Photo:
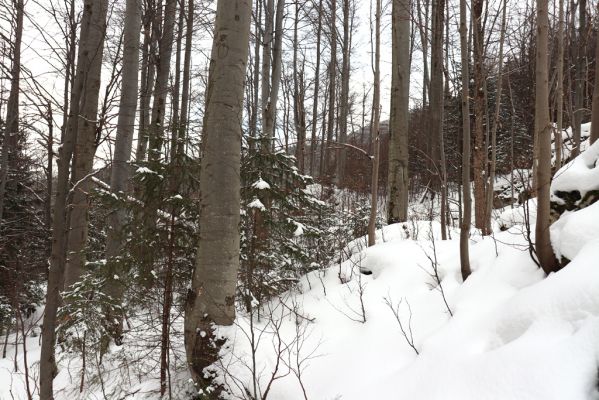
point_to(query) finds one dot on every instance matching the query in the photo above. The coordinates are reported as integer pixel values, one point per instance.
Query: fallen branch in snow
(407, 333)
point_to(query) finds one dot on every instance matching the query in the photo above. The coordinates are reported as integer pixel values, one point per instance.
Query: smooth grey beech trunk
(211, 299)
(85, 143)
(398, 180)
(119, 177)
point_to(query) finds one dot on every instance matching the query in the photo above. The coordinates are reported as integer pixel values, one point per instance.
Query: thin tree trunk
(436, 104)
(186, 78)
(212, 297)
(156, 127)
(466, 195)
(85, 143)
(152, 21)
(560, 86)
(316, 91)
(9, 144)
(398, 179)
(329, 161)
(493, 163)
(480, 150)
(344, 98)
(595, 111)
(543, 132)
(579, 87)
(376, 101)
(119, 177)
(299, 113)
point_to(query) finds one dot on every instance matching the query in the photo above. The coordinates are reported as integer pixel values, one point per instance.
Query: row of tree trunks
(80, 123)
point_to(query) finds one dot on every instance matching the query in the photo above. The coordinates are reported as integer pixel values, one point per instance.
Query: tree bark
(492, 165)
(579, 87)
(316, 92)
(156, 127)
(560, 86)
(465, 97)
(436, 104)
(85, 142)
(212, 297)
(269, 110)
(48, 369)
(398, 179)
(186, 78)
(119, 177)
(479, 154)
(595, 111)
(344, 96)
(329, 161)
(9, 143)
(376, 105)
(543, 133)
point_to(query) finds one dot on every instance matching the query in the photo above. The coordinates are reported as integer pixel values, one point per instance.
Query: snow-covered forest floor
(393, 321)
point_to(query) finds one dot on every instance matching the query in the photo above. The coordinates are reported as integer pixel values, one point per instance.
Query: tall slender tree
(9, 143)
(437, 105)
(465, 97)
(544, 250)
(119, 174)
(398, 179)
(375, 131)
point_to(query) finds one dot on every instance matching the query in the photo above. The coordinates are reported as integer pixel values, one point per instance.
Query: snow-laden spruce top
(260, 184)
(579, 174)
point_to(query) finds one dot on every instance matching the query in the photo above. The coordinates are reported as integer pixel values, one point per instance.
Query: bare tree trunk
(479, 154)
(436, 103)
(398, 179)
(376, 105)
(119, 177)
(560, 86)
(595, 111)
(85, 143)
(176, 88)
(48, 368)
(579, 87)
(543, 132)
(186, 77)
(156, 127)
(152, 20)
(9, 144)
(329, 161)
(492, 166)
(466, 196)
(316, 92)
(344, 98)
(269, 110)
(212, 297)
(299, 112)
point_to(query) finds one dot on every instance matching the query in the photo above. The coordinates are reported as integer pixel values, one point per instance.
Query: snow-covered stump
(574, 206)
